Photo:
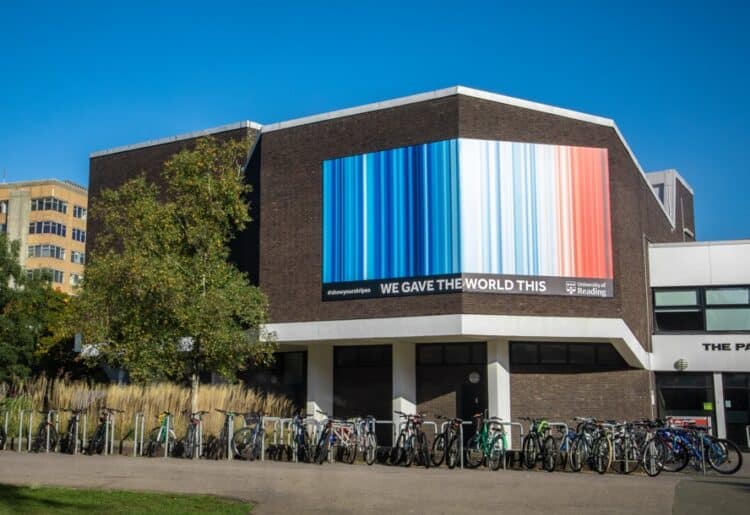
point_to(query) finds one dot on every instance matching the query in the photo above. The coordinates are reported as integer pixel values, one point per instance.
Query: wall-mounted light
(681, 365)
(474, 377)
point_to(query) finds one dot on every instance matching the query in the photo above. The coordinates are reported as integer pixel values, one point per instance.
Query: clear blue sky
(80, 77)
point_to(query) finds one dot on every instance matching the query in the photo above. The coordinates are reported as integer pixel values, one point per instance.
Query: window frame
(702, 305)
(541, 367)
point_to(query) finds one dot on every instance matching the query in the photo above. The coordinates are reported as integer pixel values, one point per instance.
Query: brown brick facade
(620, 394)
(289, 166)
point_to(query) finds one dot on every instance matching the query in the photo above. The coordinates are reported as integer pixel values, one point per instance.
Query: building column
(721, 419)
(320, 379)
(498, 381)
(404, 381)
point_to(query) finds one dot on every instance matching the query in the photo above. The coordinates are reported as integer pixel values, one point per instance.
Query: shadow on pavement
(711, 496)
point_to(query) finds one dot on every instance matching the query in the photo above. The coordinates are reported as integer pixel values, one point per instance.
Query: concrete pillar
(498, 381)
(721, 419)
(404, 380)
(17, 219)
(320, 379)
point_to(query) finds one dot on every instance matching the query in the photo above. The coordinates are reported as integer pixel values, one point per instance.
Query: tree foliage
(160, 297)
(29, 308)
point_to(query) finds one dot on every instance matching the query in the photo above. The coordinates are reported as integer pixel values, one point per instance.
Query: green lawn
(18, 500)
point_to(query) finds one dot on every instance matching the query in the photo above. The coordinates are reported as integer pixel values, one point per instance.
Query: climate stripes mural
(467, 207)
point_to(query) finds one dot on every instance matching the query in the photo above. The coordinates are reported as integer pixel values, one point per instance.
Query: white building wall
(699, 264)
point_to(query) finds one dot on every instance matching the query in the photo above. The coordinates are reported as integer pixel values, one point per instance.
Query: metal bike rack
(276, 421)
(85, 423)
(139, 426)
(230, 434)
(166, 438)
(5, 427)
(31, 430)
(21, 416)
(747, 430)
(199, 449)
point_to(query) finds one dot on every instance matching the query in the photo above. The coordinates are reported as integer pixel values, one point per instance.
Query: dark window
(49, 204)
(607, 355)
(79, 212)
(346, 356)
(478, 353)
(457, 354)
(715, 309)
(79, 235)
(431, 354)
(582, 354)
(564, 357)
(524, 353)
(553, 353)
(685, 394)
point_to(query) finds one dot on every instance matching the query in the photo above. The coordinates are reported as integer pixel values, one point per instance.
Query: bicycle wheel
(549, 454)
(96, 444)
(675, 455)
(651, 457)
(410, 451)
(579, 453)
(563, 454)
(321, 450)
(530, 450)
(723, 455)
(439, 446)
(474, 453)
(188, 444)
(497, 453)
(371, 447)
(423, 453)
(398, 452)
(602, 455)
(350, 452)
(243, 443)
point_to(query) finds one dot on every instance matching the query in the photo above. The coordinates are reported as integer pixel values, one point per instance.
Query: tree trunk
(194, 385)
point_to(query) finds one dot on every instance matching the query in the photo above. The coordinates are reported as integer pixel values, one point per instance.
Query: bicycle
(583, 441)
(247, 442)
(538, 445)
(186, 446)
(161, 435)
(411, 445)
(99, 439)
(487, 444)
(365, 440)
(339, 433)
(301, 446)
(445, 447)
(46, 434)
(691, 444)
(70, 442)
(602, 448)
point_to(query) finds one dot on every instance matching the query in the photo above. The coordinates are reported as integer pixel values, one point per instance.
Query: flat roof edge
(42, 182)
(431, 95)
(179, 137)
(714, 243)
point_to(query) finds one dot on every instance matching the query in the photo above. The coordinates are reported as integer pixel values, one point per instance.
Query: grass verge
(18, 500)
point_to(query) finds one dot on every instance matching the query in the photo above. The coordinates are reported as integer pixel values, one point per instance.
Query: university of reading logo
(570, 287)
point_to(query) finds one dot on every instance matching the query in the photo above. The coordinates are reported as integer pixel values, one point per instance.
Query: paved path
(335, 488)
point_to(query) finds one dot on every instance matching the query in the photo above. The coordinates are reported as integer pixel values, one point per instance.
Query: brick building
(459, 250)
(48, 217)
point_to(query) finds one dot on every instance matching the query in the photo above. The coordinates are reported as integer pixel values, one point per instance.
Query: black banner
(469, 283)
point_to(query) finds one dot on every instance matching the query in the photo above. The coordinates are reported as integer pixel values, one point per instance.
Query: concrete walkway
(336, 488)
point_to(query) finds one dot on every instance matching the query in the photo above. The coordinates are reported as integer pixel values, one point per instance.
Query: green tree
(25, 304)
(160, 297)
